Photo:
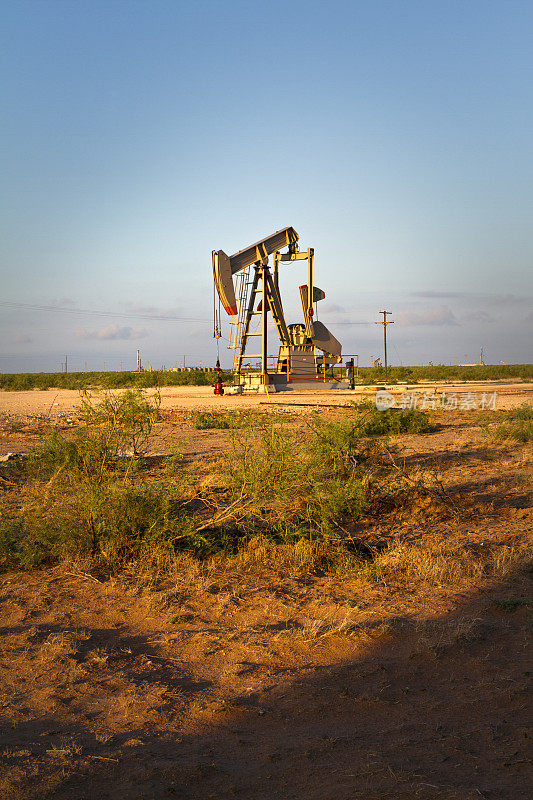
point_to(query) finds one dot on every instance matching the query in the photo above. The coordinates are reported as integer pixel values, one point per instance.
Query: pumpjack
(306, 350)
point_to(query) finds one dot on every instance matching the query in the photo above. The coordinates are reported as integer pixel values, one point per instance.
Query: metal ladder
(237, 324)
(246, 297)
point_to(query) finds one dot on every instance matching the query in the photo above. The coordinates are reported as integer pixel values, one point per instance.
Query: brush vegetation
(288, 498)
(391, 421)
(517, 424)
(209, 420)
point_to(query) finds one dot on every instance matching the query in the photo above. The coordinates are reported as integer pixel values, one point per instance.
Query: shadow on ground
(434, 709)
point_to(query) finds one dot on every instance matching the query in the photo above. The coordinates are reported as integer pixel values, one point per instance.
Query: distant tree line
(196, 377)
(106, 380)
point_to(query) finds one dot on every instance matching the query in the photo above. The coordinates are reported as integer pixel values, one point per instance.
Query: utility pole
(385, 323)
(66, 364)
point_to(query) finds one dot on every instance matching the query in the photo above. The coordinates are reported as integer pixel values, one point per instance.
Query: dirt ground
(273, 687)
(59, 402)
(24, 415)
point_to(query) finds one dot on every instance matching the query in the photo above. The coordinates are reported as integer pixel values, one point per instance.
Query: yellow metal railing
(337, 372)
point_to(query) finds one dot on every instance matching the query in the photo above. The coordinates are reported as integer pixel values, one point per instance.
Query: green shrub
(206, 420)
(27, 544)
(394, 421)
(112, 429)
(86, 472)
(291, 486)
(122, 523)
(517, 424)
(510, 604)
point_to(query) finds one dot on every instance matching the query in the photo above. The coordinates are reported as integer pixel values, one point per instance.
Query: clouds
(479, 298)
(140, 308)
(441, 315)
(440, 294)
(63, 302)
(509, 300)
(479, 316)
(145, 310)
(112, 332)
(332, 308)
(472, 309)
(22, 338)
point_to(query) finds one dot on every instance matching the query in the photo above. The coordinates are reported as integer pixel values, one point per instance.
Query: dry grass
(435, 565)
(303, 557)
(438, 636)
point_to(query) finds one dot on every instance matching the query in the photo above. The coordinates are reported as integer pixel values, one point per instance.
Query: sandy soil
(274, 687)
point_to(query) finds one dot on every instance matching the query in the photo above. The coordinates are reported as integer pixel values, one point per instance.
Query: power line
(83, 355)
(125, 315)
(160, 317)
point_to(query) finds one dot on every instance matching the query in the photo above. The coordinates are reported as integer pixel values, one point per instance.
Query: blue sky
(396, 137)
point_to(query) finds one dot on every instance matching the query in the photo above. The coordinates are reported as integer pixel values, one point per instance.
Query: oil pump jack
(297, 359)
